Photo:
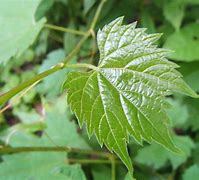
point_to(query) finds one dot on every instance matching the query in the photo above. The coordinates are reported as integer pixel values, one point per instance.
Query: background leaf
(156, 156)
(191, 173)
(48, 165)
(17, 37)
(51, 86)
(185, 43)
(174, 12)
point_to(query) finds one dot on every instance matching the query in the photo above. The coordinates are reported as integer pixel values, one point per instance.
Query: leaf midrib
(115, 139)
(136, 108)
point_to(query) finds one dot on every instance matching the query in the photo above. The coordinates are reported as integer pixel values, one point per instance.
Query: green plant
(124, 95)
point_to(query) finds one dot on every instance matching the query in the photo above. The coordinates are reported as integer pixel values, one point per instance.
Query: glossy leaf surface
(125, 94)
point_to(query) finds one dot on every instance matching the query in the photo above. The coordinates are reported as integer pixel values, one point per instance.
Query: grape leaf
(43, 8)
(190, 73)
(192, 2)
(129, 177)
(41, 165)
(88, 4)
(154, 155)
(18, 28)
(147, 21)
(191, 173)
(101, 172)
(185, 43)
(48, 165)
(124, 95)
(178, 113)
(51, 86)
(193, 118)
(195, 153)
(174, 12)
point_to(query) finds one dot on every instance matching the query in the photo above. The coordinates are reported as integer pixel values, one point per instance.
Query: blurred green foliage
(40, 118)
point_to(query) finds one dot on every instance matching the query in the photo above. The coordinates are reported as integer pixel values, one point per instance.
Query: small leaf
(174, 12)
(43, 7)
(155, 156)
(178, 113)
(192, 2)
(18, 28)
(193, 118)
(191, 173)
(185, 43)
(125, 94)
(101, 172)
(190, 73)
(73, 172)
(88, 5)
(147, 21)
(129, 176)
(51, 85)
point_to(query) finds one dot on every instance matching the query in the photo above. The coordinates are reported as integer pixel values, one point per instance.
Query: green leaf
(147, 21)
(155, 156)
(51, 85)
(152, 155)
(185, 43)
(186, 144)
(43, 7)
(174, 12)
(70, 40)
(191, 173)
(193, 118)
(88, 4)
(73, 172)
(190, 73)
(124, 95)
(48, 165)
(41, 166)
(42, 43)
(178, 113)
(129, 176)
(192, 2)
(18, 28)
(101, 172)
(195, 153)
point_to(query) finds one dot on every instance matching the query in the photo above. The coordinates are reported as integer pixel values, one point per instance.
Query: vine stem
(99, 9)
(7, 150)
(88, 33)
(77, 48)
(90, 161)
(59, 28)
(8, 95)
(113, 164)
(9, 105)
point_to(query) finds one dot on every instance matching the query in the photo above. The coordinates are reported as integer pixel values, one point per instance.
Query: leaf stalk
(63, 29)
